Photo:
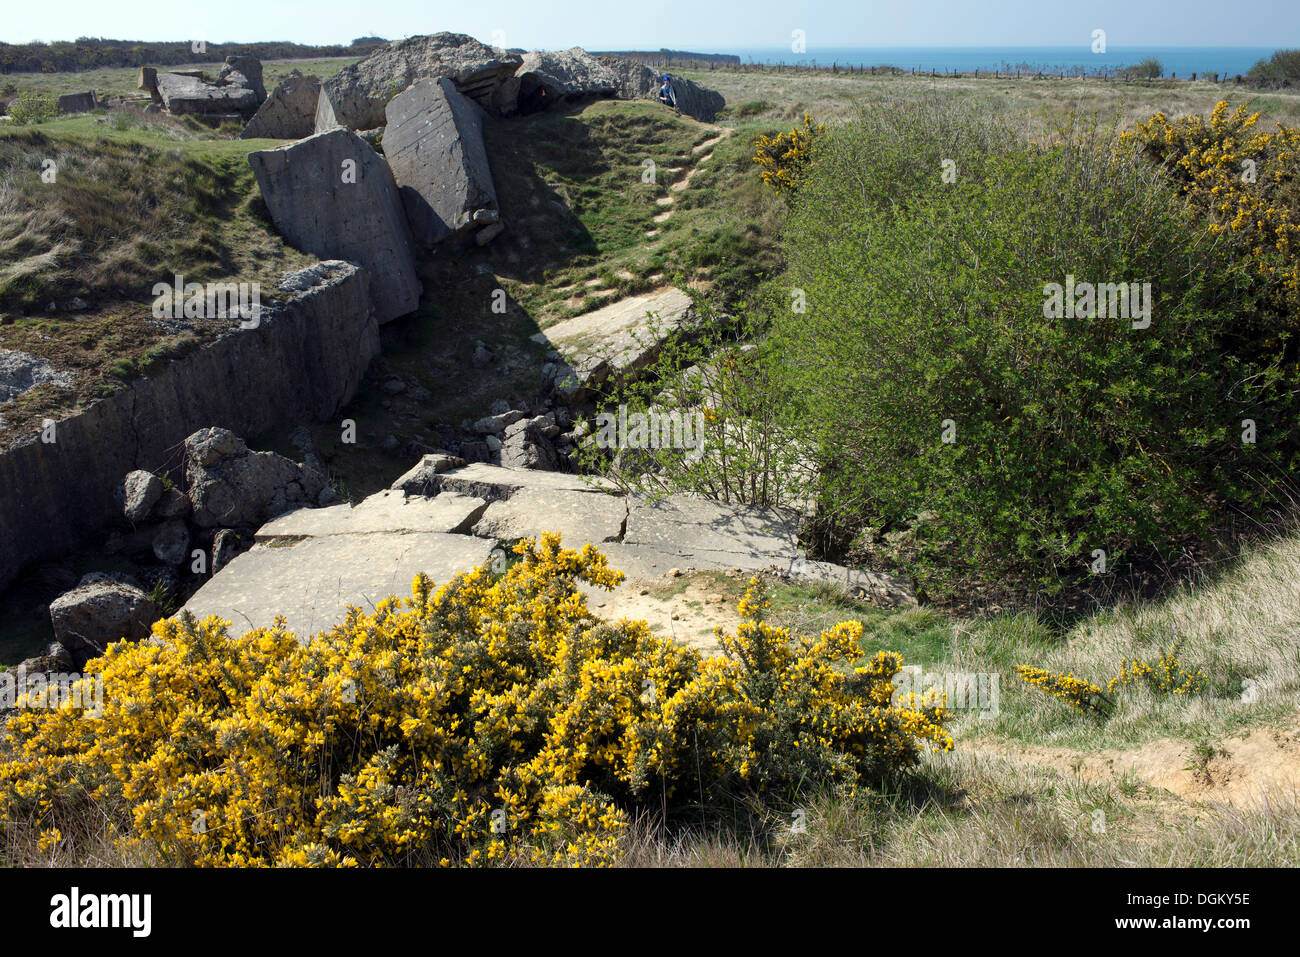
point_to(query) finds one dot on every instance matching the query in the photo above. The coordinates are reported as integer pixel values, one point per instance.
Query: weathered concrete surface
(420, 479)
(548, 78)
(77, 102)
(388, 511)
(492, 483)
(579, 517)
(689, 524)
(302, 363)
(289, 113)
(243, 71)
(358, 93)
(311, 582)
(189, 94)
(434, 146)
(618, 339)
(333, 196)
(325, 118)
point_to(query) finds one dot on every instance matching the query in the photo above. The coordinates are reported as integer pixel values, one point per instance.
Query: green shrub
(1281, 69)
(925, 320)
(32, 107)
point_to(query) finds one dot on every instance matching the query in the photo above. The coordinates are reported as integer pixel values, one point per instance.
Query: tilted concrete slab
(386, 511)
(618, 339)
(311, 582)
(493, 483)
(579, 517)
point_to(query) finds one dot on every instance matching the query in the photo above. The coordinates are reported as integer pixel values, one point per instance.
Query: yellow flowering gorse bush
(1246, 179)
(784, 159)
(493, 718)
(1166, 675)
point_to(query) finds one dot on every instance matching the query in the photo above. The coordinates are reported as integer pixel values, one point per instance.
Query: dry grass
(1043, 104)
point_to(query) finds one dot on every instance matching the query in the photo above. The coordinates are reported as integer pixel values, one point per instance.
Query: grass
(135, 201)
(1043, 104)
(121, 81)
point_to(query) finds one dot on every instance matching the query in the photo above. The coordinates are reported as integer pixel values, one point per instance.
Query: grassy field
(1043, 104)
(121, 81)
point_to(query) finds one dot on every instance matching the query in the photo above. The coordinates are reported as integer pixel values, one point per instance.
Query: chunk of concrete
(619, 339)
(311, 582)
(492, 483)
(289, 113)
(434, 146)
(579, 517)
(77, 102)
(387, 511)
(333, 196)
(182, 94)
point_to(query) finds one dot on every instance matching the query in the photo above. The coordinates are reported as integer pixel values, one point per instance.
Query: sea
(1079, 59)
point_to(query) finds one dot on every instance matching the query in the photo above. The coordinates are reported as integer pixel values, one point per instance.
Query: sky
(700, 25)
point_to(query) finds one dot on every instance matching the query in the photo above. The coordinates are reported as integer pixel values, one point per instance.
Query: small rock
(493, 443)
(226, 545)
(89, 618)
(675, 572)
(139, 492)
(394, 386)
(171, 544)
(172, 504)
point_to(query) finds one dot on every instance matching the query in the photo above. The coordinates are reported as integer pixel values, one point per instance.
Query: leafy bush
(1281, 69)
(493, 718)
(1148, 69)
(32, 107)
(932, 379)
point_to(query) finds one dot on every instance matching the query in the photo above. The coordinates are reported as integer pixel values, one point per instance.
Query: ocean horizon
(1180, 61)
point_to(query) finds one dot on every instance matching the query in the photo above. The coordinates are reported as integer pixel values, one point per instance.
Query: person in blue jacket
(666, 94)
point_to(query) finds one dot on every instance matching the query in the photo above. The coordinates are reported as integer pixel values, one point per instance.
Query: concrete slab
(684, 526)
(387, 511)
(493, 483)
(621, 338)
(311, 582)
(579, 517)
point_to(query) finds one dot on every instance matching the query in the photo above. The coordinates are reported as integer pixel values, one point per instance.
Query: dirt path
(1232, 770)
(702, 152)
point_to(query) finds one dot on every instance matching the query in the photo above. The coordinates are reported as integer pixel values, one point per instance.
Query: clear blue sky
(681, 24)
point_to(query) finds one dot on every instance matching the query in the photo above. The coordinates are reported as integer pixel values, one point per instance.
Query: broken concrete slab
(698, 525)
(289, 113)
(548, 78)
(494, 483)
(359, 92)
(434, 146)
(311, 582)
(579, 517)
(388, 511)
(333, 196)
(77, 102)
(619, 339)
(183, 94)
